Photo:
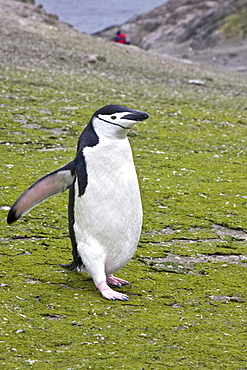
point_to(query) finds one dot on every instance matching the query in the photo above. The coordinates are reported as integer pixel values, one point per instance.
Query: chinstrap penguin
(105, 211)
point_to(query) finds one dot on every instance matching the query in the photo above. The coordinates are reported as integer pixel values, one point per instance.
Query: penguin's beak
(136, 116)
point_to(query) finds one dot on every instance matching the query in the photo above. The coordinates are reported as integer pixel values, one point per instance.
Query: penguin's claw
(113, 280)
(110, 294)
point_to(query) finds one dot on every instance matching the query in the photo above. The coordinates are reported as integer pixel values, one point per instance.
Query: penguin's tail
(54, 183)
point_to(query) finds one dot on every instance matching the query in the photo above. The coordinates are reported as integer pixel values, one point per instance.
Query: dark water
(95, 15)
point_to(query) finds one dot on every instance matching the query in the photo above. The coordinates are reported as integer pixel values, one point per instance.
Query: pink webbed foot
(110, 294)
(113, 280)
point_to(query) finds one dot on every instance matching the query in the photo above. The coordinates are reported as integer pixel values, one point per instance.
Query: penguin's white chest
(108, 217)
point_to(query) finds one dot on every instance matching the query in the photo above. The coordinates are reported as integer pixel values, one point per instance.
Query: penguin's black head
(116, 119)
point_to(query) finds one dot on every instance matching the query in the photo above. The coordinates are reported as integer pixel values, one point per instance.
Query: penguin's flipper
(54, 183)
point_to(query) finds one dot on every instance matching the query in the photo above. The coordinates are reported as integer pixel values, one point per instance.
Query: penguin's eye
(113, 117)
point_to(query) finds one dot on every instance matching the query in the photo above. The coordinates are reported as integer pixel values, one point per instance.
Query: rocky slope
(204, 31)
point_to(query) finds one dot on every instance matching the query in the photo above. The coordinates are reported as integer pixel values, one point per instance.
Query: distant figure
(121, 38)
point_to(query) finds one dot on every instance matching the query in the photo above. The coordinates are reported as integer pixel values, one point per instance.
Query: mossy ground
(191, 161)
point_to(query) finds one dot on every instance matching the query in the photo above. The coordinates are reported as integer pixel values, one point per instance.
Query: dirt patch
(235, 233)
(186, 264)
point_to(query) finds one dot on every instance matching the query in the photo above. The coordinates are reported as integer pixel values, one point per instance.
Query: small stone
(19, 331)
(92, 59)
(196, 82)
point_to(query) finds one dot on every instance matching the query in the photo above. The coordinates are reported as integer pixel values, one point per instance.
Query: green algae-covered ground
(188, 293)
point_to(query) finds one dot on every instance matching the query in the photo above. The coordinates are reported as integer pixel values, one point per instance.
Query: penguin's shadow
(81, 282)
(77, 280)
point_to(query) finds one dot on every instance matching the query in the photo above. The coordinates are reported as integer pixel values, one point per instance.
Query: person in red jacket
(121, 38)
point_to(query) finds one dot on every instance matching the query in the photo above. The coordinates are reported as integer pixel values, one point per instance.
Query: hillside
(210, 32)
(188, 292)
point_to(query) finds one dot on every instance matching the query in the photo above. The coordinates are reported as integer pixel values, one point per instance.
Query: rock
(196, 82)
(95, 58)
(92, 59)
(165, 23)
(192, 29)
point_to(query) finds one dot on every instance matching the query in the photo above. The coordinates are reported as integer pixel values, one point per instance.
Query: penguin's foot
(110, 294)
(113, 280)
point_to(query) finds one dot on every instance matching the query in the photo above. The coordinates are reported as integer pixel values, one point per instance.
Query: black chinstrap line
(115, 124)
